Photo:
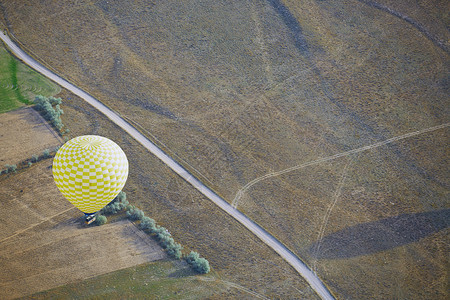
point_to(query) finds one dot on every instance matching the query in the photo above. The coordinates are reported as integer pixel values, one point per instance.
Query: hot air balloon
(90, 171)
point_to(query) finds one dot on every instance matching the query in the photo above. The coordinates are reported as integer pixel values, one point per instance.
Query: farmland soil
(24, 133)
(44, 242)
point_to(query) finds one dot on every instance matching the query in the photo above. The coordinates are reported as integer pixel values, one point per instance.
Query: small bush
(192, 257)
(46, 153)
(100, 220)
(30, 164)
(34, 158)
(200, 264)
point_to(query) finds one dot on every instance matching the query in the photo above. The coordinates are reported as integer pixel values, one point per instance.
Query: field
(161, 280)
(44, 242)
(19, 84)
(25, 133)
(264, 101)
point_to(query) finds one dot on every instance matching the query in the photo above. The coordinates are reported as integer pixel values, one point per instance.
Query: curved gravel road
(266, 237)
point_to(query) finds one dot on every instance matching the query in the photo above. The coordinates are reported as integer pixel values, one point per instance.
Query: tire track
(240, 287)
(241, 192)
(336, 196)
(259, 40)
(234, 285)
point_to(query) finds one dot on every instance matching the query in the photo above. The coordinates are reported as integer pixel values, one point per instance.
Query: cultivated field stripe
(241, 192)
(262, 234)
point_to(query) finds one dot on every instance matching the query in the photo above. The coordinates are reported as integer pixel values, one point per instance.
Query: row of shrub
(162, 235)
(149, 226)
(10, 169)
(47, 153)
(50, 110)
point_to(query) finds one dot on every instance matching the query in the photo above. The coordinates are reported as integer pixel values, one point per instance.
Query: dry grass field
(242, 90)
(24, 133)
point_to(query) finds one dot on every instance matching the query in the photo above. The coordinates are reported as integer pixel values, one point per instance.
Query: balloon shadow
(384, 234)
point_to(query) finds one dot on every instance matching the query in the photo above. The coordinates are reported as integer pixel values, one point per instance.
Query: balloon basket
(89, 219)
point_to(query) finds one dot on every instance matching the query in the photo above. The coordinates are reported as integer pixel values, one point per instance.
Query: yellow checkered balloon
(90, 171)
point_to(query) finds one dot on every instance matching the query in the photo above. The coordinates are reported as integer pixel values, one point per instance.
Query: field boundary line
(241, 192)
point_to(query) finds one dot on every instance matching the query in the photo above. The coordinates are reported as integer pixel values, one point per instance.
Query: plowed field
(44, 242)
(23, 133)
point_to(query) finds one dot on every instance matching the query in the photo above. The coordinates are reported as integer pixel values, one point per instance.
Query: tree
(175, 250)
(45, 106)
(54, 100)
(119, 203)
(161, 232)
(121, 197)
(46, 153)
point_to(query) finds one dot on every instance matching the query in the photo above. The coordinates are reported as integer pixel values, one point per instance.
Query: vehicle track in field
(327, 215)
(245, 188)
(312, 279)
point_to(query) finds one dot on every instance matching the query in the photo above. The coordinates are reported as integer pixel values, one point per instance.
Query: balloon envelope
(90, 171)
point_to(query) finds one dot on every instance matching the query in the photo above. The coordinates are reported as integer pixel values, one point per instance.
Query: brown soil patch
(24, 132)
(44, 242)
